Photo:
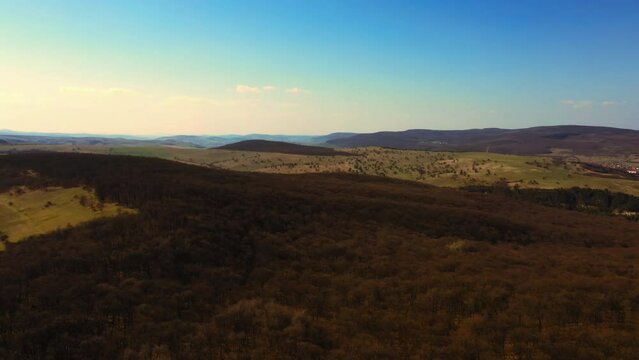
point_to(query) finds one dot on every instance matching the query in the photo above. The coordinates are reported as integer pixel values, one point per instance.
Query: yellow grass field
(25, 212)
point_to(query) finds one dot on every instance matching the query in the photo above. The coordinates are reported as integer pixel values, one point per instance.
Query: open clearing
(25, 212)
(449, 169)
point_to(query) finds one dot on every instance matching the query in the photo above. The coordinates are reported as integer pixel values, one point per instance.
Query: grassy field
(25, 212)
(450, 169)
(436, 168)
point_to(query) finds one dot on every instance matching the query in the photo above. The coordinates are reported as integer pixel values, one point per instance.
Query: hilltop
(223, 264)
(281, 147)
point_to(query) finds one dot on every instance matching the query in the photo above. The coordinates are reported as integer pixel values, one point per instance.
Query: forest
(596, 201)
(216, 264)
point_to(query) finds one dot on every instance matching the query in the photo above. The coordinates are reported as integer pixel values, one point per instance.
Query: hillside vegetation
(228, 265)
(580, 199)
(448, 169)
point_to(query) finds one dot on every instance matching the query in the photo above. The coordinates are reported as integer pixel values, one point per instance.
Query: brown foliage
(224, 265)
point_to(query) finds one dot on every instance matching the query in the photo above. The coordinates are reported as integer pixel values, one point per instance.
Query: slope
(219, 264)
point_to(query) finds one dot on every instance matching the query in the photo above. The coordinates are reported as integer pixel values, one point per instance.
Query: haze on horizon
(311, 67)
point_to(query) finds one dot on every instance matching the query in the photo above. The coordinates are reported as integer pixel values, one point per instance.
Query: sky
(315, 66)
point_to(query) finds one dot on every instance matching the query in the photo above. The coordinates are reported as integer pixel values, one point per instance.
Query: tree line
(598, 201)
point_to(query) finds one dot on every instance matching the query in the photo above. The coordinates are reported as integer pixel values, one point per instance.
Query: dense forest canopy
(224, 265)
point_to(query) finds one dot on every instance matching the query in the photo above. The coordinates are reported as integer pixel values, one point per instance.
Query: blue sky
(311, 67)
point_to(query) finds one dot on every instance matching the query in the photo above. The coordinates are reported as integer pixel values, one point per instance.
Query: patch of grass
(25, 212)
(462, 246)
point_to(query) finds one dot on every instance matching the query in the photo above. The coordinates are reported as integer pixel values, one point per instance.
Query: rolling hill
(281, 147)
(216, 141)
(582, 140)
(222, 264)
(449, 169)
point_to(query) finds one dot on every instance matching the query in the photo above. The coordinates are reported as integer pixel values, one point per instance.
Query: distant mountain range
(587, 140)
(14, 139)
(535, 140)
(201, 141)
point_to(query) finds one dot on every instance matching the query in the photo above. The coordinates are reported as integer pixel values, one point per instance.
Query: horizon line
(11, 132)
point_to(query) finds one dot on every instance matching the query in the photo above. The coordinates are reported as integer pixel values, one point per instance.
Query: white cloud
(577, 104)
(296, 91)
(609, 103)
(245, 89)
(587, 104)
(97, 91)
